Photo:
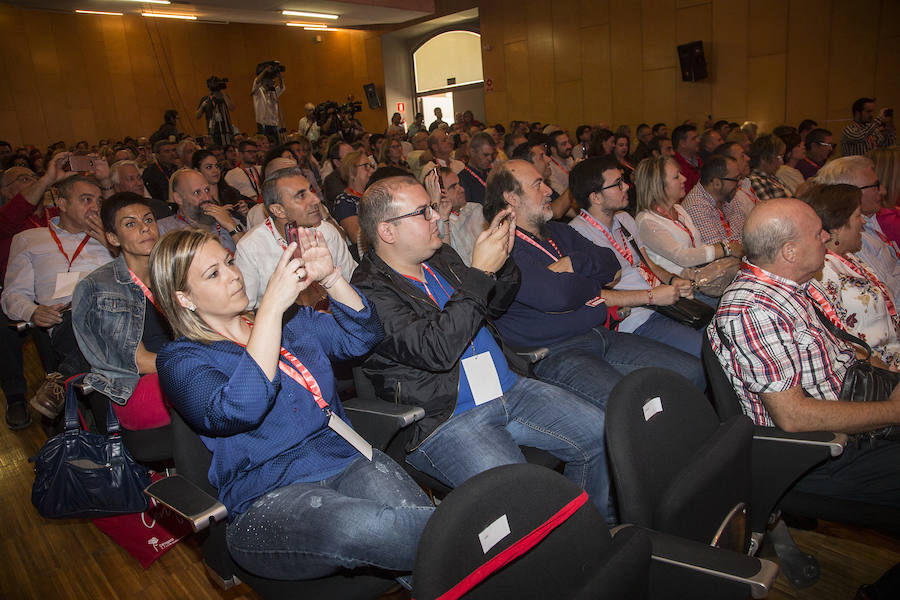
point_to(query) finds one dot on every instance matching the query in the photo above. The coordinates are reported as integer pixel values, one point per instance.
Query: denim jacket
(108, 319)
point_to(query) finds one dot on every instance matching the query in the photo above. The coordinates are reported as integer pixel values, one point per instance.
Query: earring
(837, 243)
(192, 308)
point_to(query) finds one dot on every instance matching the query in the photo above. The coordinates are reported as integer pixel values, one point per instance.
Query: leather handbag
(863, 381)
(82, 474)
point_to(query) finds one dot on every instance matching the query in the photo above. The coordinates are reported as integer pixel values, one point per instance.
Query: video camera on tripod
(216, 84)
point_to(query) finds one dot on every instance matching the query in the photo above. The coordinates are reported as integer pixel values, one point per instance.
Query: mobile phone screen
(81, 163)
(437, 173)
(290, 235)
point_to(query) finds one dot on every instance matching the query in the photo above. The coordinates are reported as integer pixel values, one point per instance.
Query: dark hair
(377, 204)
(64, 186)
(834, 204)
(718, 125)
(764, 147)
(554, 136)
(599, 136)
(716, 166)
(8, 162)
(656, 127)
(642, 126)
(112, 205)
(198, 157)
(817, 135)
(680, 133)
(160, 143)
(860, 103)
(806, 124)
(586, 177)
(385, 172)
(5, 143)
(500, 181)
(581, 129)
(170, 115)
(783, 130)
(246, 144)
(791, 140)
(655, 143)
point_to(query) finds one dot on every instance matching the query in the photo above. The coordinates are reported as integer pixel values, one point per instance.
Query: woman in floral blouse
(848, 291)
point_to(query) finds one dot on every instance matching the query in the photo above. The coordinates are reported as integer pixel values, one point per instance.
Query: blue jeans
(669, 332)
(370, 514)
(530, 413)
(867, 471)
(591, 364)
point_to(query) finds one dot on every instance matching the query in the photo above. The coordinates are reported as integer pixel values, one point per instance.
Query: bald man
(786, 367)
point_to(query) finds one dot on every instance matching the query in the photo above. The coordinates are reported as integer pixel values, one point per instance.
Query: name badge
(354, 439)
(65, 284)
(483, 379)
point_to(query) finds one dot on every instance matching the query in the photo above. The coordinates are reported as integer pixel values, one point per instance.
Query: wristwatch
(237, 229)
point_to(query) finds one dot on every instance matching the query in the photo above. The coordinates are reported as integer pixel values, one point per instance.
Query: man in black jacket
(439, 352)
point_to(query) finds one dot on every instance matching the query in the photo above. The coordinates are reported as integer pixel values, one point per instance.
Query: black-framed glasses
(826, 144)
(619, 183)
(426, 211)
(875, 185)
(734, 179)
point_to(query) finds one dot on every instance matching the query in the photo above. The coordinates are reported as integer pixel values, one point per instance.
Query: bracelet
(726, 251)
(650, 297)
(330, 280)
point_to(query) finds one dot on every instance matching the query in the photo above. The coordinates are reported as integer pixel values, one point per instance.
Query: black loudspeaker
(372, 95)
(693, 61)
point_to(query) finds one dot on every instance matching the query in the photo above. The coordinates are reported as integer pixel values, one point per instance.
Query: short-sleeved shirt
(345, 205)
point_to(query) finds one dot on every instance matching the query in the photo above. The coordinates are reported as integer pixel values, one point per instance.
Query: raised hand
(317, 258)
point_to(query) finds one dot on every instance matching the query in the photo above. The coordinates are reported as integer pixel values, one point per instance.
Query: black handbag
(685, 311)
(863, 381)
(82, 474)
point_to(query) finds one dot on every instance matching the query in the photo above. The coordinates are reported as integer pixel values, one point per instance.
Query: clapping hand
(316, 257)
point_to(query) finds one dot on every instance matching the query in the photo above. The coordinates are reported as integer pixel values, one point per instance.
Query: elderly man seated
(784, 364)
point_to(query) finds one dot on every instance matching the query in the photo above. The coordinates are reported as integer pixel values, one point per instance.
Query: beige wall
(772, 61)
(70, 77)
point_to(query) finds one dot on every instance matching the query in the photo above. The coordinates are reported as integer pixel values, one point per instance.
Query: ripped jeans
(370, 514)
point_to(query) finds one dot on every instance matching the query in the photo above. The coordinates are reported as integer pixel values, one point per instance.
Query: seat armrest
(835, 442)
(531, 355)
(378, 421)
(188, 501)
(756, 573)
(20, 326)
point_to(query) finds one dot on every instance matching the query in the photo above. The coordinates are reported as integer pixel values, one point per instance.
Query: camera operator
(308, 126)
(267, 87)
(215, 107)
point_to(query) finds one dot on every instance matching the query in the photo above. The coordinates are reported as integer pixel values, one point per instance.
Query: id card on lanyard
(66, 282)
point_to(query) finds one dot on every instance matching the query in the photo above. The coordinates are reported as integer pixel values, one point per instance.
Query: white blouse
(670, 246)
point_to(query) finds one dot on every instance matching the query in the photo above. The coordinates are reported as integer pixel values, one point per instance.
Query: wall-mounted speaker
(372, 95)
(692, 60)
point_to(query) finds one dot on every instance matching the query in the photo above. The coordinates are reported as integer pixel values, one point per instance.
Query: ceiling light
(170, 16)
(150, 1)
(308, 25)
(320, 29)
(312, 15)
(98, 12)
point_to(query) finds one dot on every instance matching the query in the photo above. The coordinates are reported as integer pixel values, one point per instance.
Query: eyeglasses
(426, 211)
(619, 183)
(875, 185)
(826, 144)
(23, 178)
(734, 179)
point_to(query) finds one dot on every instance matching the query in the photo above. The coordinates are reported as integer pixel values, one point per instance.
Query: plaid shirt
(767, 186)
(775, 342)
(708, 219)
(858, 138)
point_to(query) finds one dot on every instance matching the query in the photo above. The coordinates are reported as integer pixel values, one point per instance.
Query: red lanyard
(823, 302)
(475, 175)
(46, 222)
(78, 250)
(812, 162)
(425, 283)
(137, 281)
(296, 371)
(353, 192)
(625, 251)
(680, 225)
(277, 237)
(870, 276)
(553, 160)
(528, 239)
(724, 222)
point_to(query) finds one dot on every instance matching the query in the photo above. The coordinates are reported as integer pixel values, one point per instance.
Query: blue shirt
(475, 189)
(440, 291)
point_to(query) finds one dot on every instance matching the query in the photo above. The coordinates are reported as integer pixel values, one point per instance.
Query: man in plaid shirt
(786, 367)
(710, 206)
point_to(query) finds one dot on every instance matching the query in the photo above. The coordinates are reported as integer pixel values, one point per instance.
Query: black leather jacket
(418, 360)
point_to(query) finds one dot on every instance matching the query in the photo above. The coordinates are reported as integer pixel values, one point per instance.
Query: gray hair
(763, 242)
(480, 139)
(64, 187)
(118, 166)
(377, 204)
(270, 192)
(843, 170)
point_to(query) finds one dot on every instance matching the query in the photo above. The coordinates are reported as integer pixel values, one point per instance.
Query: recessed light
(320, 29)
(308, 25)
(312, 15)
(98, 12)
(150, 1)
(170, 16)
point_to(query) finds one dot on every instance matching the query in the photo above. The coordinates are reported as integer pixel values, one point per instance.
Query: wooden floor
(44, 559)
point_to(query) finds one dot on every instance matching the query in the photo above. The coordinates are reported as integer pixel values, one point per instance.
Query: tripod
(219, 124)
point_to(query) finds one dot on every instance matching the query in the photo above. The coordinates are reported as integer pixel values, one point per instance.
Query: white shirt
(177, 221)
(670, 246)
(455, 165)
(559, 174)
(310, 130)
(259, 251)
(631, 276)
(465, 229)
(745, 197)
(34, 263)
(880, 256)
(265, 102)
(256, 216)
(239, 180)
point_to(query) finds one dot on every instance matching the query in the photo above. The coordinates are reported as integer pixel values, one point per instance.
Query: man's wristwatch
(237, 229)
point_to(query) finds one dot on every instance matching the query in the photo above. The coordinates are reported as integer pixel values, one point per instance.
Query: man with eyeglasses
(245, 177)
(744, 197)
(878, 252)
(439, 349)
(601, 194)
(563, 301)
(819, 146)
(199, 209)
(537, 151)
(718, 219)
(461, 222)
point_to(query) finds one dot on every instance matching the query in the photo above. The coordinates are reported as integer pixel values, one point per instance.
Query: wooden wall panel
(540, 60)
(807, 61)
(594, 12)
(512, 21)
(693, 98)
(853, 57)
(767, 27)
(566, 44)
(658, 34)
(518, 81)
(595, 64)
(569, 105)
(727, 59)
(625, 53)
(766, 74)
(887, 75)
(659, 89)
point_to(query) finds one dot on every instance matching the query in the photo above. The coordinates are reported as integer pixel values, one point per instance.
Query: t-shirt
(156, 329)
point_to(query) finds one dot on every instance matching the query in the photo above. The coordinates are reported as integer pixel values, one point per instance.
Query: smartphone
(437, 173)
(291, 235)
(81, 163)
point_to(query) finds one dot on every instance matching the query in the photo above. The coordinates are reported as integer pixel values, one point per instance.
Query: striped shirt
(775, 342)
(858, 138)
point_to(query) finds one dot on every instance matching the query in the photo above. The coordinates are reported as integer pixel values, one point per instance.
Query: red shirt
(691, 173)
(15, 216)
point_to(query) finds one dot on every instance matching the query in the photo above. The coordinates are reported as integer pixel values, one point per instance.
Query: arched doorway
(447, 73)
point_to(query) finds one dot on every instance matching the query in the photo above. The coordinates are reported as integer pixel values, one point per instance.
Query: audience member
(198, 208)
(439, 352)
(205, 163)
(157, 173)
(744, 198)
(245, 177)
(461, 222)
(887, 169)
(438, 119)
(626, 166)
(718, 219)
(794, 154)
(661, 146)
(709, 143)
(440, 147)
(308, 127)
(356, 168)
(867, 131)
(787, 368)
(819, 147)
(642, 150)
(333, 183)
(602, 142)
(473, 177)
(687, 144)
(766, 157)
(805, 126)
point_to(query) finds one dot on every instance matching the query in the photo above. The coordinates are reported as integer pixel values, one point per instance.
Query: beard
(197, 215)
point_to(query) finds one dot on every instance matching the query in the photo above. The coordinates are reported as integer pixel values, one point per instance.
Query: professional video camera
(351, 107)
(324, 109)
(217, 84)
(271, 67)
